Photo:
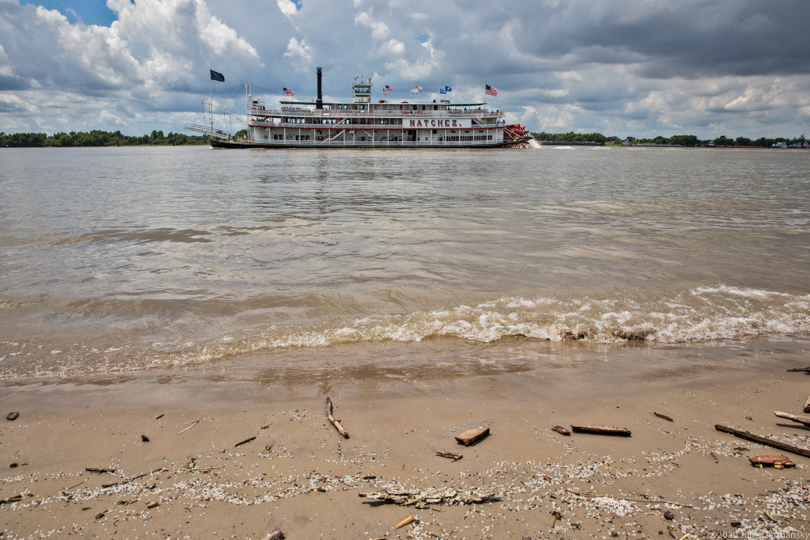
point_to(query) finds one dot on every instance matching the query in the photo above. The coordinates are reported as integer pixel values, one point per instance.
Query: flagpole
(211, 103)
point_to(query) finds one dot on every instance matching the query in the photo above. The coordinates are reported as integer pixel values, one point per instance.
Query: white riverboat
(364, 124)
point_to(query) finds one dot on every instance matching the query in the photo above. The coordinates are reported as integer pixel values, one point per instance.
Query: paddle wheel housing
(516, 136)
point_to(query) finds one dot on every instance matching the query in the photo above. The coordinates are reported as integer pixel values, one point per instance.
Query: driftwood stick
(665, 417)
(404, 522)
(76, 485)
(332, 419)
(764, 440)
(15, 498)
(801, 369)
(645, 501)
(807, 406)
(237, 445)
(128, 480)
(793, 417)
(601, 430)
(99, 470)
(451, 455)
(194, 423)
(561, 430)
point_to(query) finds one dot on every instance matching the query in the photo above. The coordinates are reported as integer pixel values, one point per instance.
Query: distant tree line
(680, 140)
(97, 138)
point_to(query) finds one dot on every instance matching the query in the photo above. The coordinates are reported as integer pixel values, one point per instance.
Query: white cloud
(379, 30)
(287, 7)
(298, 51)
(653, 67)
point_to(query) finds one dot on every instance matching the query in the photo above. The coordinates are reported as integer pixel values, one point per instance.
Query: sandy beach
(296, 473)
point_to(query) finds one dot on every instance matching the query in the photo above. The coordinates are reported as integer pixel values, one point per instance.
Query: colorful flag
(418, 88)
(388, 88)
(414, 90)
(217, 76)
(384, 94)
(288, 92)
(447, 89)
(490, 91)
(442, 91)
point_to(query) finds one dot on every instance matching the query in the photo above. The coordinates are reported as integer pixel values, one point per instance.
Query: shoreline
(300, 476)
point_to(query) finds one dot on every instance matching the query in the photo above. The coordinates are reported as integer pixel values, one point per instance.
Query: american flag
(288, 92)
(490, 91)
(388, 88)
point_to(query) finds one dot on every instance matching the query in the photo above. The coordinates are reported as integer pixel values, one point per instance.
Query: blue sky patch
(88, 11)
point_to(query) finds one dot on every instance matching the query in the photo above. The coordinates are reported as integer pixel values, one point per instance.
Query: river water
(128, 259)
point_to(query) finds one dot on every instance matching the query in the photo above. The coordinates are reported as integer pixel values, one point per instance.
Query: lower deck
(345, 136)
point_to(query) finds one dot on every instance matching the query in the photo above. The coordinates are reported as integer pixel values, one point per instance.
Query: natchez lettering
(434, 123)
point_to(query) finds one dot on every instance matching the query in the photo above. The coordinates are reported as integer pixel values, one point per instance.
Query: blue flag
(217, 76)
(442, 91)
(447, 89)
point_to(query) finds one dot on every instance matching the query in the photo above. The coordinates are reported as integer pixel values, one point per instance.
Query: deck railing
(295, 111)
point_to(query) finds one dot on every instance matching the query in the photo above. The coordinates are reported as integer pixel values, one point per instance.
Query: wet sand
(301, 477)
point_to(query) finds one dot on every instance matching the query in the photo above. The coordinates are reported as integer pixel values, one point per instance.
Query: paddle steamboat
(365, 124)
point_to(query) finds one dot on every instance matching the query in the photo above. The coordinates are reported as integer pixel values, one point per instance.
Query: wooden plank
(764, 440)
(472, 436)
(561, 430)
(451, 455)
(601, 430)
(776, 461)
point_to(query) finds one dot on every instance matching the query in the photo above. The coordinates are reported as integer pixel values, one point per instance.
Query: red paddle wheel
(516, 136)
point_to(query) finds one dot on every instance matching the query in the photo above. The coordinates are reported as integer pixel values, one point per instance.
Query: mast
(211, 103)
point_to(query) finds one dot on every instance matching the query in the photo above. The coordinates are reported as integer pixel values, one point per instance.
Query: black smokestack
(319, 101)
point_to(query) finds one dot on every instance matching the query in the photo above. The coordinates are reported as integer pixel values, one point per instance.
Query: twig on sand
(128, 480)
(194, 423)
(334, 422)
(237, 445)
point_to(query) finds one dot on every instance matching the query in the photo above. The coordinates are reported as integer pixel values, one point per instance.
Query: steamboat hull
(216, 143)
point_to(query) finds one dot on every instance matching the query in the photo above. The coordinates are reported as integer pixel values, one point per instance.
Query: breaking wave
(701, 314)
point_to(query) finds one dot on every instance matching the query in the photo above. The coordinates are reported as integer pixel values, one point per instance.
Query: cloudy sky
(635, 67)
